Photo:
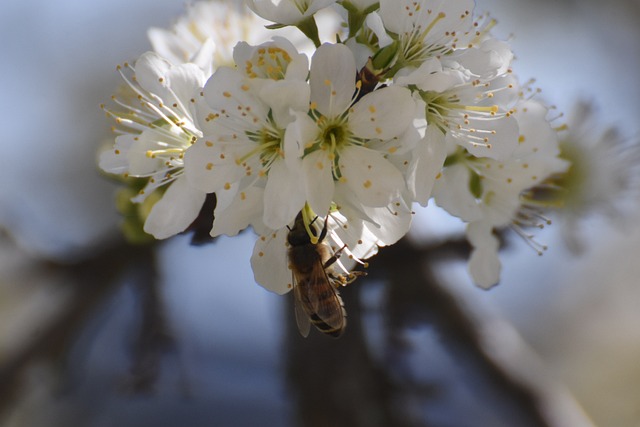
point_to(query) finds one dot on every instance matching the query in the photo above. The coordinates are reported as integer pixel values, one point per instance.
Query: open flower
(243, 146)
(426, 28)
(343, 141)
(158, 126)
(603, 177)
(486, 193)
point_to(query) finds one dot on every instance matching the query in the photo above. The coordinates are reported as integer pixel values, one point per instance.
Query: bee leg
(334, 258)
(323, 233)
(352, 276)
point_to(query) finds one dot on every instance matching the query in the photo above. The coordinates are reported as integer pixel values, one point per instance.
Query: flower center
(333, 136)
(268, 63)
(268, 148)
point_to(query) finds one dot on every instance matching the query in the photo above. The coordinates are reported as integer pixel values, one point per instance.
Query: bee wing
(323, 303)
(302, 318)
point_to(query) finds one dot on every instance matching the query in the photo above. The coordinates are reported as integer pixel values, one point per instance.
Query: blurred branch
(92, 281)
(154, 339)
(415, 296)
(336, 382)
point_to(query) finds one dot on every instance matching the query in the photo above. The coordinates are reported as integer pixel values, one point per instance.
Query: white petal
(429, 157)
(284, 97)
(430, 77)
(284, 195)
(297, 135)
(177, 209)
(374, 22)
(403, 15)
(383, 114)
(157, 75)
(139, 163)
(452, 193)
(244, 210)
(318, 181)
(371, 177)
(501, 138)
(332, 79)
(207, 171)
(204, 57)
(394, 222)
(114, 160)
(167, 44)
(229, 91)
(484, 264)
(270, 264)
(286, 12)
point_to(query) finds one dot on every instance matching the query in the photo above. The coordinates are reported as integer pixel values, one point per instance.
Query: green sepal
(310, 29)
(475, 185)
(385, 57)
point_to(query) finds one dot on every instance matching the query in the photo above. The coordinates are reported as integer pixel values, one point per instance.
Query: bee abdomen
(331, 323)
(325, 328)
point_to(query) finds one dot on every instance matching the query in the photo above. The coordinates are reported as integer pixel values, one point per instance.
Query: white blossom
(157, 127)
(426, 28)
(603, 178)
(244, 143)
(344, 141)
(487, 193)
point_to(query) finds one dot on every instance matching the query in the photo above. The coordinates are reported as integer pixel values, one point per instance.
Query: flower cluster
(404, 102)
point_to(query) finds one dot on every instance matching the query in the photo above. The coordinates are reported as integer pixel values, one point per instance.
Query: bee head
(300, 234)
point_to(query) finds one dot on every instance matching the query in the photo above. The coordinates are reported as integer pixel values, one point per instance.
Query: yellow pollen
(244, 87)
(226, 94)
(367, 184)
(243, 196)
(208, 143)
(521, 139)
(378, 130)
(260, 253)
(320, 165)
(227, 186)
(209, 166)
(372, 109)
(439, 175)
(327, 82)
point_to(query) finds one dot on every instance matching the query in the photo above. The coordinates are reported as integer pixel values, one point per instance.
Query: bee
(315, 285)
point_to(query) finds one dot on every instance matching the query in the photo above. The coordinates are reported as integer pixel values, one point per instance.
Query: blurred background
(95, 332)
